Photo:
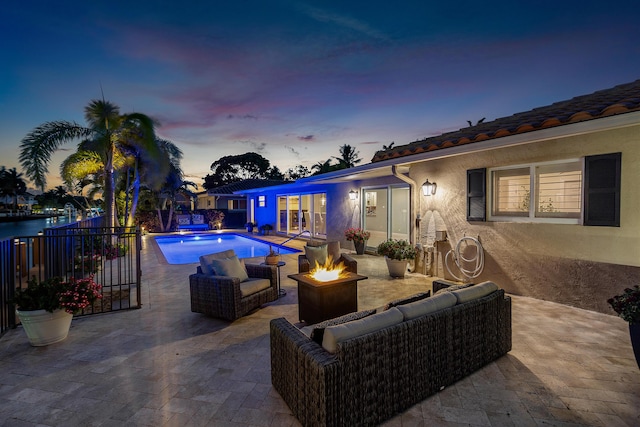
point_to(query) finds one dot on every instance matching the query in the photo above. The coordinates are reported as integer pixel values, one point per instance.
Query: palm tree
(173, 185)
(107, 129)
(12, 184)
(348, 157)
(323, 167)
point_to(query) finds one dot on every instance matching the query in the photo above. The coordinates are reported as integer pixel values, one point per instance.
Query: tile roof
(245, 184)
(620, 99)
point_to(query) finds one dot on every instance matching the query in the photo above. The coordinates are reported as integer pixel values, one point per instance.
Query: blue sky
(295, 80)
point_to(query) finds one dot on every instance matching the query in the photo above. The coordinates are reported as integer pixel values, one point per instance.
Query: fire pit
(321, 300)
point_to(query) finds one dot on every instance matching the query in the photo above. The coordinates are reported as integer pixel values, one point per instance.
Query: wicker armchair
(351, 264)
(221, 296)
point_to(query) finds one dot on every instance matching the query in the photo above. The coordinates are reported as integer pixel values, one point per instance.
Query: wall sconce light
(429, 188)
(353, 195)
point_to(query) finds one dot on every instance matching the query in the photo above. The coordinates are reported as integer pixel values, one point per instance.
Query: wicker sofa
(229, 297)
(372, 377)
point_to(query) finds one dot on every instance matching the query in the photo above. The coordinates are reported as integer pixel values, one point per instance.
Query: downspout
(413, 206)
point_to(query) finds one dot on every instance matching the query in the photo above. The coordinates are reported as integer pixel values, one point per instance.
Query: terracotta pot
(397, 268)
(44, 328)
(272, 259)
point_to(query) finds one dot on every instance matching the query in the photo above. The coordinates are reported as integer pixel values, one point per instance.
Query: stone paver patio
(163, 365)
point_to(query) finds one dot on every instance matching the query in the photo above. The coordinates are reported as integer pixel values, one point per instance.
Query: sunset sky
(295, 80)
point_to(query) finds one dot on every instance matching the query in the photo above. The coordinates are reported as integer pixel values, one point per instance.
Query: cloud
(243, 117)
(258, 147)
(292, 150)
(306, 138)
(342, 21)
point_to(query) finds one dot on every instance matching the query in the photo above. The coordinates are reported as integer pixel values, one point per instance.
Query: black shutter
(602, 190)
(476, 195)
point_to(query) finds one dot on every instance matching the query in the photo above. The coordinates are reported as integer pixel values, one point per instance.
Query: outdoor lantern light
(429, 188)
(353, 195)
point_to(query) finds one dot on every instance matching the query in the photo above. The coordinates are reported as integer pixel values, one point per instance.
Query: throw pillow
(231, 267)
(318, 329)
(407, 300)
(205, 260)
(316, 254)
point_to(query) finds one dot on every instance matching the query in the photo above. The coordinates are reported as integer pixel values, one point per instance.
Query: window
(262, 201)
(540, 191)
(237, 204)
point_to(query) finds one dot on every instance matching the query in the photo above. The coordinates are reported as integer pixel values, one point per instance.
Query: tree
(229, 169)
(174, 184)
(348, 157)
(274, 173)
(12, 184)
(105, 132)
(296, 173)
(324, 167)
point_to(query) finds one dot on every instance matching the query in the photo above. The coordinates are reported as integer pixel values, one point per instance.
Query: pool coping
(162, 260)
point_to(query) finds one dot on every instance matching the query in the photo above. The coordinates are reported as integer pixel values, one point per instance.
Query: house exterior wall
(573, 264)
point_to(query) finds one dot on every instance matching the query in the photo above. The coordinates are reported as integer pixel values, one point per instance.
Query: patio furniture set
(360, 368)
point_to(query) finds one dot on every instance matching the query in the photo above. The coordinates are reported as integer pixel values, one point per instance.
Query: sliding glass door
(302, 213)
(386, 214)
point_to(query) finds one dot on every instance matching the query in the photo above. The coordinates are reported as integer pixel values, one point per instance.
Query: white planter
(397, 268)
(44, 328)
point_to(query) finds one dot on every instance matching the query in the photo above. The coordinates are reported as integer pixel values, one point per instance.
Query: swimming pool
(186, 249)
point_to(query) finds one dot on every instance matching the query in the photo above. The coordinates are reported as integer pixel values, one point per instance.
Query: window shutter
(602, 190)
(476, 195)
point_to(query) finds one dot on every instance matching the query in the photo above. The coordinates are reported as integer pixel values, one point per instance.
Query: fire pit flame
(328, 272)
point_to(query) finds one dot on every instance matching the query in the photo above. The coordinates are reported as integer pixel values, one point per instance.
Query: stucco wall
(571, 264)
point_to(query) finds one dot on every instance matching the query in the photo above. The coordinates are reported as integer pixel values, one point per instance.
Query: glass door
(375, 215)
(386, 214)
(319, 215)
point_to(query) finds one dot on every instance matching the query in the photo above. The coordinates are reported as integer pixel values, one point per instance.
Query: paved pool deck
(163, 365)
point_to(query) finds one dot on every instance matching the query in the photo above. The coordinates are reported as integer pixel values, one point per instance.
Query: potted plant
(627, 305)
(46, 308)
(249, 226)
(397, 254)
(272, 258)
(359, 238)
(265, 229)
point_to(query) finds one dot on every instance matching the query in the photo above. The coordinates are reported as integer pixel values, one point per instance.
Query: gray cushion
(474, 292)
(251, 286)
(333, 335)
(453, 288)
(427, 306)
(407, 300)
(205, 260)
(317, 331)
(333, 248)
(316, 254)
(231, 267)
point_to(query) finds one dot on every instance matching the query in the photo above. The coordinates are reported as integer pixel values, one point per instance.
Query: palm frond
(37, 147)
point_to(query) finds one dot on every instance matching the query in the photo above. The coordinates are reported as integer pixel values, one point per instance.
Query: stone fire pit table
(318, 301)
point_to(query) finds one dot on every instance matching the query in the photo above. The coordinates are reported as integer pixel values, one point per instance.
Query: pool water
(187, 248)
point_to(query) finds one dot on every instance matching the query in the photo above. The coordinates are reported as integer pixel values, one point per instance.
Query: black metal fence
(80, 249)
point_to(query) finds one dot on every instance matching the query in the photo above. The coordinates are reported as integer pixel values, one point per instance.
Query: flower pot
(634, 332)
(397, 267)
(272, 259)
(44, 328)
(359, 247)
